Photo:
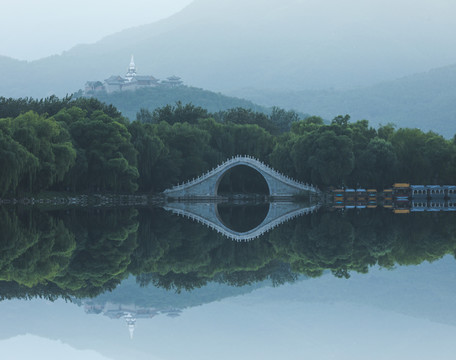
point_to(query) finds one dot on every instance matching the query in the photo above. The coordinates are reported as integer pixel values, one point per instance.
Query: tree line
(128, 102)
(83, 145)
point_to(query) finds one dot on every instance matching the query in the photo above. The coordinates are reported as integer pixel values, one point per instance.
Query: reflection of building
(130, 313)
(131, 81)
(131, 322)
(172, 313)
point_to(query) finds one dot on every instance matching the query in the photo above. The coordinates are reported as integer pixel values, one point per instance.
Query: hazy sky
(33, 29)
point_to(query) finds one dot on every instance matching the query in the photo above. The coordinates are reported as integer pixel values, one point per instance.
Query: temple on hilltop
(131, 81)
(172, 81)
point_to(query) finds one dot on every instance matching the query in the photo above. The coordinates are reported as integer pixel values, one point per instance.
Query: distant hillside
(279, 44)
(130, 102)
(426, 101)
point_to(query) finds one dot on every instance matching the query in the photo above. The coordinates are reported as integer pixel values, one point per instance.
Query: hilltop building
(172, 81)
(131, 81)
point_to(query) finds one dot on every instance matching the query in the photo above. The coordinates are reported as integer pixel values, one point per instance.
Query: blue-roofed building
(451, 191)
(419, 190)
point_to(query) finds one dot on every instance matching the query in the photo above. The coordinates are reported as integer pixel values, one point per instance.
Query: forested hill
(425, 101)
(130, 102)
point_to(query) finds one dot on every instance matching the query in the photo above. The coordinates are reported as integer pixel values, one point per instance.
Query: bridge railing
(251, 160)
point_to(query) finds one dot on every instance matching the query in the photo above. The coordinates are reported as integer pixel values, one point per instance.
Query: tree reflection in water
(84, 252)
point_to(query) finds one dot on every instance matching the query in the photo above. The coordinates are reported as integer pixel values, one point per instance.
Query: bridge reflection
(210, 214)
(242, 217)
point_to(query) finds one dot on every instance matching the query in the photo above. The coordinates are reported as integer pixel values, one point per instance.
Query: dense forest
(83, 145)
(84, 252)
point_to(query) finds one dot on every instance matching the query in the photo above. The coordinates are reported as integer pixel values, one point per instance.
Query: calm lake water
(146, 283)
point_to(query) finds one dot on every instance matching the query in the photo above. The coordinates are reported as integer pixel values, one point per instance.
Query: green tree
(377, 164)
(16, 163)
(50, 143)
(438, 152)
(283, 119)
(144, 116)
(331, 159)
(307, 125)
(241, 116)
(179, 114)
(284, 157)
(252, 140)
(106, 148)
(341, 120)
(409, 146)
(150, 149)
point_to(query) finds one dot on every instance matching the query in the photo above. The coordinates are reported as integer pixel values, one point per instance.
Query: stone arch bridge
(207, 184)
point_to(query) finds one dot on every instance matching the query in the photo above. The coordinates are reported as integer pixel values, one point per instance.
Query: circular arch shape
(245, 164)
(238, 228)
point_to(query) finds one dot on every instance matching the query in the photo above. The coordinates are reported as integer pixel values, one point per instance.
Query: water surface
(117, 282)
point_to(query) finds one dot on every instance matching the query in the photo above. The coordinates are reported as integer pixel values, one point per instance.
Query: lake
(169, 282)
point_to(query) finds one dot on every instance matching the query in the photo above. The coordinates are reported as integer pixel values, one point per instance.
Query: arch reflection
(242, 217)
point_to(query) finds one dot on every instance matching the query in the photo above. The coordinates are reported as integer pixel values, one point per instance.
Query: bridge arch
(206, 185)
(234, 166)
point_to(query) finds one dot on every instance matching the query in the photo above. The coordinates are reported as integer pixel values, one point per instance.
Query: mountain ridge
(423, 100)
(228, 44)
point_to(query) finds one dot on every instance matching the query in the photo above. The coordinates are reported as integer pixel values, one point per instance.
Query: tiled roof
(145, 78)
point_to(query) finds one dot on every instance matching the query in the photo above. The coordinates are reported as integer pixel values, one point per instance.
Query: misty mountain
(426, 101)
(264, 44)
